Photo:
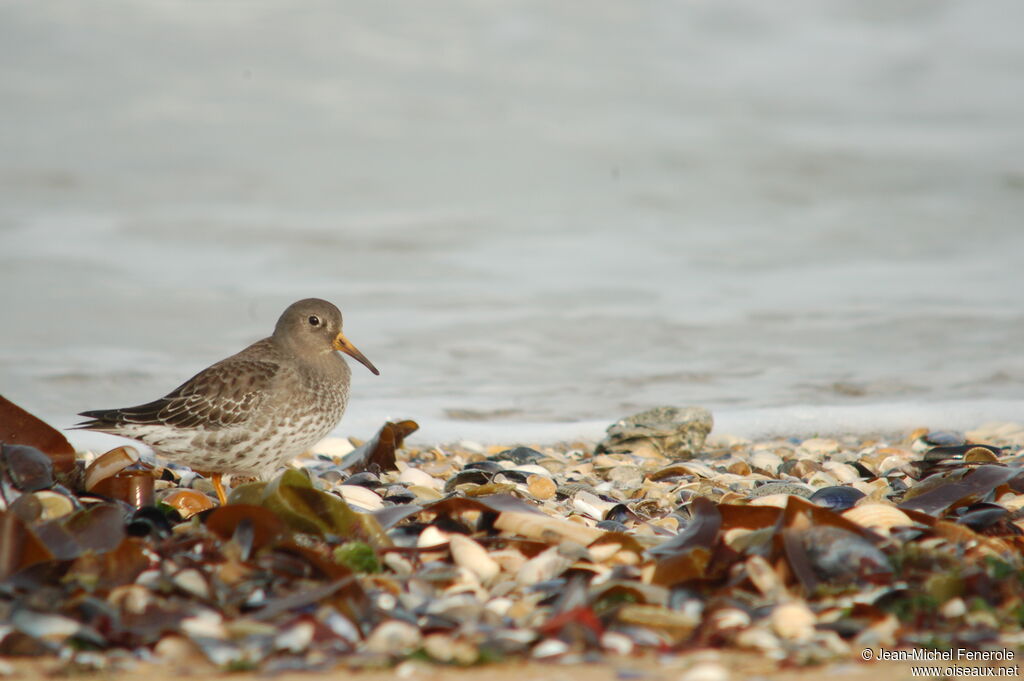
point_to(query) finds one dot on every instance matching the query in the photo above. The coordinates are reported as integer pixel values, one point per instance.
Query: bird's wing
(223, 395)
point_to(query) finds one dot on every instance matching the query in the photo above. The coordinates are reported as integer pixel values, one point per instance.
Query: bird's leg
(219, 487)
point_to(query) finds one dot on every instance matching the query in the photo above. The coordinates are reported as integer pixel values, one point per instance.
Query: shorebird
(256, 409)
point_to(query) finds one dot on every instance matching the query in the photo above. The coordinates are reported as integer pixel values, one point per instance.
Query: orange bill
(345, 345)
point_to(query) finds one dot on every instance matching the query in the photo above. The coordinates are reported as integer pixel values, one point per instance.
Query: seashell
(878, 516)
(1006, 432)
(188, 502)
(192, 581)
(296, 638)
(364, 479)
(793, 621)
(728, 618)
(765, 461)
(953, 608)
(518, 456)
(761, 639)
(822, 479)
(531, 469)
(544, 566)
(591, 505)
(360, 497)
(444, 648)
(842, 471)
(980, 455)
(838, 555)
(626, 477)
(943, 438)
(764, 577)
(44, 626)
(432, 537)
(838, 498)
(110, 464)
(471, 446)
(616, 643)
(131, 598)
(776, 500)
(1012, 502)
(425, 494)
(486, 466)
(550, 647)
(469, 476)
(394, 637)
(658, 617)
(739, 468)
(510, 560)
(541, 487)
(414, 476)
(472, 556)
(819, 446)
(29, 469)
(53, 504)
(706, 671)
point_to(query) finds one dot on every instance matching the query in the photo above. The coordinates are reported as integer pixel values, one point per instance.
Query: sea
(537, 217)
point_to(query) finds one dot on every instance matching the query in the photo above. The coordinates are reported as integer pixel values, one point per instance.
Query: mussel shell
(489, 466)
(837, 497)
(472, 476)
(364, 479)
(29, 469)
(396, 494)
(612, 526)
(519, 455)
(150, 520)
(955, 452)
(980, 517)
(944, 438)
(838, 555)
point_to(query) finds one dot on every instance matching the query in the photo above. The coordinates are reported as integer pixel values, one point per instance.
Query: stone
(672, 432)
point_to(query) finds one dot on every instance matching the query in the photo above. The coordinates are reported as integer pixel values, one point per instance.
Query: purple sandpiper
(253, 411)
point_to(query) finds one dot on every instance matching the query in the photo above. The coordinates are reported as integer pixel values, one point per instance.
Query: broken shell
(53, 505)
(774, 500)
(360, 497)
(110, 464)
(470, 555)
(542, 567)
(878, 516)
(188, 502)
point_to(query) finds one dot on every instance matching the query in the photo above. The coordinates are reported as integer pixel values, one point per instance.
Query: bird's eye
(314, 321)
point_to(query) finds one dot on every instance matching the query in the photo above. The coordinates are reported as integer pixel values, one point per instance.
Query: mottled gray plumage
(253, 411)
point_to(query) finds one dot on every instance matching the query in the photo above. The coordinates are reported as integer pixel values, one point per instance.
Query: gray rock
(673, 432)
(793, 488)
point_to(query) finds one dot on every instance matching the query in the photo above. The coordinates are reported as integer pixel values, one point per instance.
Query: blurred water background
(537, 216)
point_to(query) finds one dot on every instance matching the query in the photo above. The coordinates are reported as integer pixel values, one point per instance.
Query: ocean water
(536, 217)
